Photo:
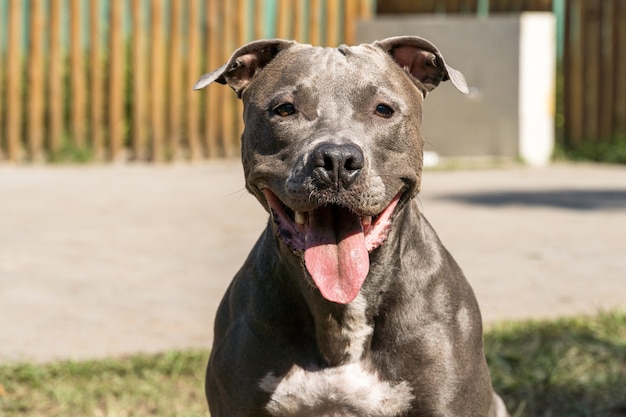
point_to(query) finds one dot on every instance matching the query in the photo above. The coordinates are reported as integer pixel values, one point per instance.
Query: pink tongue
(335, 254)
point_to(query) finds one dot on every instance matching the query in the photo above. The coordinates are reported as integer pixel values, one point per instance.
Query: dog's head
(332, 145)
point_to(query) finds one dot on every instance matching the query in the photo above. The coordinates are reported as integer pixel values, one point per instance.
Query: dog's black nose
(337, 164)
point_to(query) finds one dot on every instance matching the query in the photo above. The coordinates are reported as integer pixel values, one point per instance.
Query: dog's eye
(284, 110)
(384, 110)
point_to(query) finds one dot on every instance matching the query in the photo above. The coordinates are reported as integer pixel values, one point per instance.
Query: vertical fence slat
(193, 72)
(14, 81)
(298, 21)
(212, 117)
(351, 12)
(469, 6)
(428, 6)
(332, 23)
(228, 113)
(116, 81)
(495, 6)
(568, 59)
(574, 79)
(2, 124)
(77, 76)
(55, 79)
(174, 79)
(453, 6)
(607, 88)
(315, 32)
(240, 23)
(592, 47)
(259, 14)
(157, 81)
(282, 30)
(35, 129)
(366, 9)
(138, 110)
(96, 103)
(619, 50)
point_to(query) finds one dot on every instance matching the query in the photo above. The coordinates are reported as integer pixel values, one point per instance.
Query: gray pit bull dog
(348, 305)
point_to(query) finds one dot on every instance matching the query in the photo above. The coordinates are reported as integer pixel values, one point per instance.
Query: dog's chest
(352, 389)
(346, 390)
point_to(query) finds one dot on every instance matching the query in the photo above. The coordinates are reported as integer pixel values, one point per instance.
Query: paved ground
(111, 260)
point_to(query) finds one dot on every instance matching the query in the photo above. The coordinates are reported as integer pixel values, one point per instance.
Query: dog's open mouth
(336, 243)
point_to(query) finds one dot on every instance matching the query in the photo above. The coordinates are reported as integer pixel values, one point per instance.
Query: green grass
(167, 385)
(563, 368)
(71, 153)
(611, 151)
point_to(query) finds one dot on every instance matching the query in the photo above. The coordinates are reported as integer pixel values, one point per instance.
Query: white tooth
(300, 217)
(366, 220)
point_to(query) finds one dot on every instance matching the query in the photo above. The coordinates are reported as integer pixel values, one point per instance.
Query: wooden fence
(111, 79)
(594, 66)
(462, 6)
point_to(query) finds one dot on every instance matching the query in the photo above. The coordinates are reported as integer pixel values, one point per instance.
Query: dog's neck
(343, 333)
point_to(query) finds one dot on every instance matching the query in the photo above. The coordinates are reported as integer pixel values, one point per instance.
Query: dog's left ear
(244, 64)
(423, 61)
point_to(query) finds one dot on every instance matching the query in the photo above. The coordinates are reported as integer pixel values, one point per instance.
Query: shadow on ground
(610, 199)
(565, 368)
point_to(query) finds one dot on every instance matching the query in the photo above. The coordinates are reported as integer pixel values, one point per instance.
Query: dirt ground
(110, 260)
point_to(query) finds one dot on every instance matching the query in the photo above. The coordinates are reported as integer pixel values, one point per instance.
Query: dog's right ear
(244, 64)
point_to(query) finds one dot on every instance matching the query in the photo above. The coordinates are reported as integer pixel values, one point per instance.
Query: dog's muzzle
(335, 242)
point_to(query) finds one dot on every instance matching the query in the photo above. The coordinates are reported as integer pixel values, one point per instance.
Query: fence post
(351, 13)
(56, 111)
(14, 81)
(332, 23)
(174, 81)
(95, 82)
(228, 111)
(35, 130)
(482, 9)
(284, 19)
(116, 81)
(619, 23)
(575, 76)
(138, 116)
(298, 20)
(259, 19)
(2, 135)
(608, 55)
(592, 47)
(314, 23)
(214, 47)
(240, 19)
(77, 76)
(157, 80)
(193, 72)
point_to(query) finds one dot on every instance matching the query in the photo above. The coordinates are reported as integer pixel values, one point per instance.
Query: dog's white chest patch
(346, 390)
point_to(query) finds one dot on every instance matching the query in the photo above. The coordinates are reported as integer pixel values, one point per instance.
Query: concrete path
(110, 260)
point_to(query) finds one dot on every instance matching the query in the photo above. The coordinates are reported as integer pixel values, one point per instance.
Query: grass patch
(611, 151)
(167, 385)
(563, 368)
(71, 153)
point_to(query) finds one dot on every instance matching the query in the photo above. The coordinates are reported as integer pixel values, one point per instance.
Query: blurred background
(102, 80)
